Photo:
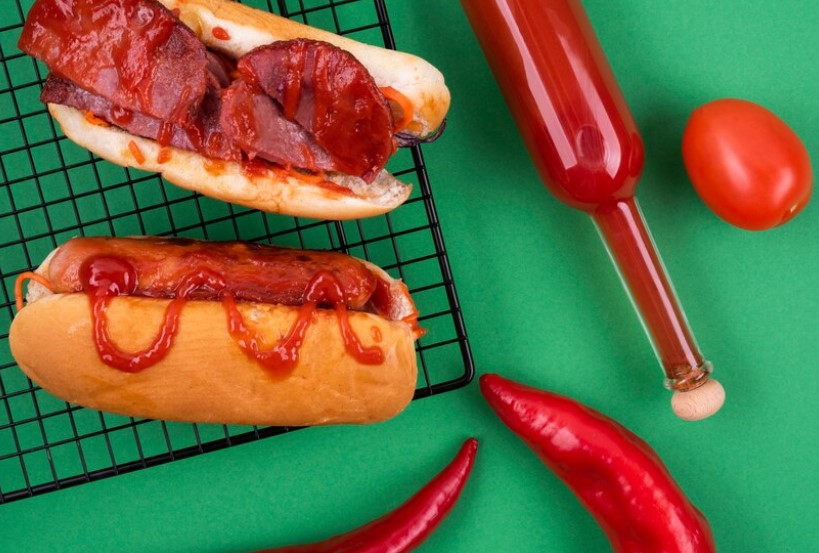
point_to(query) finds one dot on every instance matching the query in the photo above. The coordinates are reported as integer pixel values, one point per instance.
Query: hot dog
(235, 103)
(229, 332)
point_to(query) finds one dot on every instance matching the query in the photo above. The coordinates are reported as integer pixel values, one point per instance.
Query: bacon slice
(332, 95)
(202, 133)
(134, 53)
(254, 122)
(300, 103)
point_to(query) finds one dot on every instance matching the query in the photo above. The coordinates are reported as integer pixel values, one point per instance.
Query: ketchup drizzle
(284, 356)
(254, 168)
(220, 33)
(134, 362)
(165, 133)
(121, 116)
(364, 355)
(323, 289)
(106, 277)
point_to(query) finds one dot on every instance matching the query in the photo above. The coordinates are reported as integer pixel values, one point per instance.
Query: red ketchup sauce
(586, 146)
(256, 168)
(165, 133)
(106, 277)
(121, 116)
(292, 88)
(220, 33)
(196, 134)
(323, 289)
(131, 52)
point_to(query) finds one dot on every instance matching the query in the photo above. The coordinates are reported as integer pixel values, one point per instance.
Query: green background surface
(543, 305)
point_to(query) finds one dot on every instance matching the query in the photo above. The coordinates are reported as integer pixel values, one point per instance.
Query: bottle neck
(629, 243)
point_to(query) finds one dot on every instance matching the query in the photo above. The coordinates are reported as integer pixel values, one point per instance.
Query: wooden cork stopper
(699, 403)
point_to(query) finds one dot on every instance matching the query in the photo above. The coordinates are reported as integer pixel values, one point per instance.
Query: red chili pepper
(615, 474)
(410, 524)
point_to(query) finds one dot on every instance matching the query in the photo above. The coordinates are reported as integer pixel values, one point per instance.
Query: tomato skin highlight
(746, 164)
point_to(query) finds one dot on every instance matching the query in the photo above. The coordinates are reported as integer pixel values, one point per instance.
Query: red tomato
(746, 164)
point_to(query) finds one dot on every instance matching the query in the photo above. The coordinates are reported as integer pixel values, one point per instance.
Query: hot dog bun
(286, 192)
(276, 192)
(206, 377)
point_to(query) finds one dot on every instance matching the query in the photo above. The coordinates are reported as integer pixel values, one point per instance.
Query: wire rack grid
(52, 190)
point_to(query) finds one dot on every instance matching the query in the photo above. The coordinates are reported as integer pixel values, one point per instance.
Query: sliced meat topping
(202, 133)
(134, 53)
(252, 272)
(221, 67)
(332, 95)
(254, 122)
(300, 103)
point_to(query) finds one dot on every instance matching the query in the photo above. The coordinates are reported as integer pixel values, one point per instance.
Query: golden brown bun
(277, 193)
(249, 28)
(206, 377)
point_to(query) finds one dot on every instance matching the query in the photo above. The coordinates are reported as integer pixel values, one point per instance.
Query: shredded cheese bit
(18, 286)
(403, 103)
(94, 120)
(136, 152)
(163, 156)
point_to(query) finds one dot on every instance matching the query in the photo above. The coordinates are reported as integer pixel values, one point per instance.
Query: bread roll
(275, 192)
(206, 377)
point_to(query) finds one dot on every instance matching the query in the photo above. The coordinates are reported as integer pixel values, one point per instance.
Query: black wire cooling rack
(53, 190)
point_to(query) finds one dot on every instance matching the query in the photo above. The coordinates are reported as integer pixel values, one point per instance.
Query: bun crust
(249, 28)
(206, 377)
(225, 180)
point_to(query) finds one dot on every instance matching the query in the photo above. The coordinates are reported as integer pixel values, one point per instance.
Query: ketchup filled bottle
(588, 151)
